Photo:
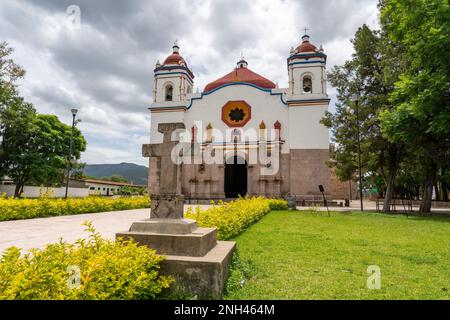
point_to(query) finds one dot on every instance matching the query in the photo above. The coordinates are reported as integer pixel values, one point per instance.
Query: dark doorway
(235, 177)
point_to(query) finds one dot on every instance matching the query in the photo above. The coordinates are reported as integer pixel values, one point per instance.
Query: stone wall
(308, 170)
(35, 192)
(343, 189)
(300, 174)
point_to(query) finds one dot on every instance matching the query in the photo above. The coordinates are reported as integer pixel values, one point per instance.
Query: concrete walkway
(36, 233)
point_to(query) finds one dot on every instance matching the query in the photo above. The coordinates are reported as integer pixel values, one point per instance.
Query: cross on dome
(306, 30)
(242, 63)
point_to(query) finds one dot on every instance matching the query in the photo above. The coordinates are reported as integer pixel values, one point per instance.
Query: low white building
(76, 191)
(101, 187)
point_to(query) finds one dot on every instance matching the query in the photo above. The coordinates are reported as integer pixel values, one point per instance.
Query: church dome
(175, 57)
(241, 74)
(306, 46)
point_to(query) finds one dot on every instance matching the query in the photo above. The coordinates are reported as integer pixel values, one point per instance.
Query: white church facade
(242, 113)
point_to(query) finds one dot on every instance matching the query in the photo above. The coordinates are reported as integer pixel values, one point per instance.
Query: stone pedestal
(194, 257)
(167, 206)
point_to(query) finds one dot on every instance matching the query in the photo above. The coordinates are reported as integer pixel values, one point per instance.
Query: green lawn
(304, 255)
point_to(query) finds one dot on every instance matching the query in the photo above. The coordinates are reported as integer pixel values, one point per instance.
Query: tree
(421, 98)
(10, 72)
(370, 74)
(115, 178)
(36, 147)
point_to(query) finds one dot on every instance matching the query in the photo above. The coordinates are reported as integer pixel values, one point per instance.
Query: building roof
(175, 57)
(306, 46)
(110, 183)
(241, 74)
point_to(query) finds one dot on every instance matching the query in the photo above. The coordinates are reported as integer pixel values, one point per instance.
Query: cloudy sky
(104, 65)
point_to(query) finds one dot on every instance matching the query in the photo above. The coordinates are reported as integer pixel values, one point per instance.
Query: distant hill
(132, 172)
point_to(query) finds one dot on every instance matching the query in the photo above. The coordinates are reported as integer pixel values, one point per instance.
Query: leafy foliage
(14, 209)
(421, 96)
(231, 218)
(85, 270)
(370, 75)
(34, 148)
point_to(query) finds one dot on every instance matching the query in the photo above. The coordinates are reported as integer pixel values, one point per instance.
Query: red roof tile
(174, 58)
(241, 75)
(306, 46)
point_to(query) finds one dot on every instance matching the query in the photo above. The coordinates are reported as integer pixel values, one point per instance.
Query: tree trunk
(18, 190)
(394, 156)
(437, 190)
(425, 205)
(444, 192)
(389, 188)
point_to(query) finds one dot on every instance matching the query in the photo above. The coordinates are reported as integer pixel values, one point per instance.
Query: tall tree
(370, 74)
(33, 148)
(36, 147)
(10, 72)
(421, 97)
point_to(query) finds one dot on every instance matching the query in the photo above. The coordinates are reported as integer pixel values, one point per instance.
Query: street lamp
(355, 99)
(74, 114)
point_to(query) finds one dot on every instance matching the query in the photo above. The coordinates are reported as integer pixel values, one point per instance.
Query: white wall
(163, 117)
(102, 189)
(305, 129)
(265, 107)
(35, 192)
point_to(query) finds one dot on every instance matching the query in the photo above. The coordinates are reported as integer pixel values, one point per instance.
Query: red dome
(241, 74)
(306, 46)
(174, 58)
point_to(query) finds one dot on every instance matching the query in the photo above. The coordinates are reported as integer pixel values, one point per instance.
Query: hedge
(15, 209)
(88, 269)
(232, 218)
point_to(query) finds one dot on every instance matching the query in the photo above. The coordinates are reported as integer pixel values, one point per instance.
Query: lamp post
(355, 99)
(74, 114)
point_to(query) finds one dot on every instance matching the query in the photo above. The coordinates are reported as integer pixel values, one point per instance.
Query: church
(265, 141)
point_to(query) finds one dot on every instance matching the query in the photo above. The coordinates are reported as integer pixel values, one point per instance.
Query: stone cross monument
(167, 200)
(194, 257)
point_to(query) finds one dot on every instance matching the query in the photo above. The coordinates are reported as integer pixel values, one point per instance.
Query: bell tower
(307, 76)
(173, 80)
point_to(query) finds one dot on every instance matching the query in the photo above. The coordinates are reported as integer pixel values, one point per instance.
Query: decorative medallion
(236, 113)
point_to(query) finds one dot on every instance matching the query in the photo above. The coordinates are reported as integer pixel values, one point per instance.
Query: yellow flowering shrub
(88, 269)
(14, 209)
(231, 218)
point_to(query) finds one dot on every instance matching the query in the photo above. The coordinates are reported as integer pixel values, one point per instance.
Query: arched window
(189, 90)
(307, 84)
(169, 92)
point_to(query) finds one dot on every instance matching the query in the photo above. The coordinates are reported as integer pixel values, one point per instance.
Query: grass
(307, 255)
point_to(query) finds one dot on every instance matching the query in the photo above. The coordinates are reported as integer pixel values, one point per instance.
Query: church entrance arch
(235, 177)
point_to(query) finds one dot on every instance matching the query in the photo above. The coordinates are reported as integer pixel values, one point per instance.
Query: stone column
(194, 257)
